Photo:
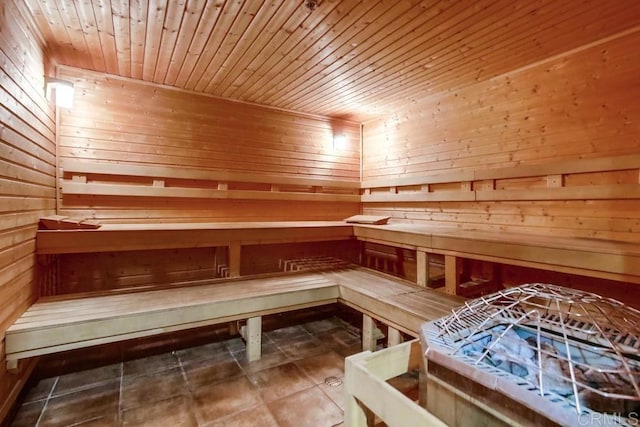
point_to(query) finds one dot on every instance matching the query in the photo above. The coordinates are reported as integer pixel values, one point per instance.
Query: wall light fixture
(339, 142)
(60, 91)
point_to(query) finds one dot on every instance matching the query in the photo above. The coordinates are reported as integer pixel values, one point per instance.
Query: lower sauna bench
(55, 324)
(60, 323)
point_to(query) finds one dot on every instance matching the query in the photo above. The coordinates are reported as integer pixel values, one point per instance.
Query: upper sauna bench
(605, 259)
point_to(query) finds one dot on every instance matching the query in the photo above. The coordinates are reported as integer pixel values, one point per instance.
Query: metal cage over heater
(566, 354)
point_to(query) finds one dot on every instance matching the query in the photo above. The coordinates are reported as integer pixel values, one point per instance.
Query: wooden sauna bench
(131, 237)
(606, 259)
(599, 258)
(61, 323)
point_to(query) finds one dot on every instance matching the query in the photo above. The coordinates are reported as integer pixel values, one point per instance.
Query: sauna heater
(536, 354)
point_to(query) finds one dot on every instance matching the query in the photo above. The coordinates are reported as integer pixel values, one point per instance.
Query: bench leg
(451, 274)
(394, 337)
(253, 338)
(368, 333)
(12, 366)
(422, 264)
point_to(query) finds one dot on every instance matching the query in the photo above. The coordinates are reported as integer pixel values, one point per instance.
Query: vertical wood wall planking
(27, 172)
(581, 105)
(116, 120)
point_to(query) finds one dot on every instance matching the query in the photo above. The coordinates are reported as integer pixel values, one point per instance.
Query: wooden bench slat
(121, 237)
(41, 313)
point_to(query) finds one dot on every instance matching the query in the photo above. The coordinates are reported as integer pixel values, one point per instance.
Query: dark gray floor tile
(82, 406)
(211, 372)
(88, 379)
(215, 401)
(176, 411)
(254, 417)
(280, 381)
(308, 408)
(145, 389)
(28, 414)
(151, 364)
(322, 366)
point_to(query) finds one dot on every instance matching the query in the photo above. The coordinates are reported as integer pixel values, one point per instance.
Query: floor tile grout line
(120, 393)
(46, 402)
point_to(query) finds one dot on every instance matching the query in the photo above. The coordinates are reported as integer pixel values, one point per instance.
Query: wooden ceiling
(350, 59)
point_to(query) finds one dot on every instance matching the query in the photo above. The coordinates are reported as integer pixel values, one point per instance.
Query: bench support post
(422, 262)
(234, 259)
(368, 333)
(356, 414)
(253, 337)
(451, 274)
(394, 337)
(12, 366)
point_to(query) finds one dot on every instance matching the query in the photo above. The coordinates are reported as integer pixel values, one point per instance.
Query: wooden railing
(88, 178)
(549, 182)
(368, 395)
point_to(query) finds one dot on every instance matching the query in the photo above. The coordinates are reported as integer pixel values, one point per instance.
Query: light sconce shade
(61, 91)
(339, 142)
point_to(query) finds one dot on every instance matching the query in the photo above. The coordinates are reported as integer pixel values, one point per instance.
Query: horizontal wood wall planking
(550, 149)
(27, 175)
(151, 131)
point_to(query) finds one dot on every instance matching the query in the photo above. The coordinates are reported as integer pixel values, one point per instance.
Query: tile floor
(209, 385)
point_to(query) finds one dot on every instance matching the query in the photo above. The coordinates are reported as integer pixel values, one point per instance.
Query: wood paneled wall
(118, 120)
(27, 172)
(580, 105)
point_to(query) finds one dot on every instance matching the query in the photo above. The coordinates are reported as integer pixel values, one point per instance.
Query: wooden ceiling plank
(75, 33)
(62, 41)
(386, 46)
(235, 40)
(186, 33)
(42, 21)
(224, 27)
(394, 89)
(263, 40)
(156, 12)
(104, 23)
(204, 31)
(343, 43)
(282, 31)
(173, 21)
(395, 19)
(321, 36)
(138, 32)
(391, 59)
(252, 41)
(516, 46)
(294, 36)
(86, 21)
(122, 32)
(518, 41)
